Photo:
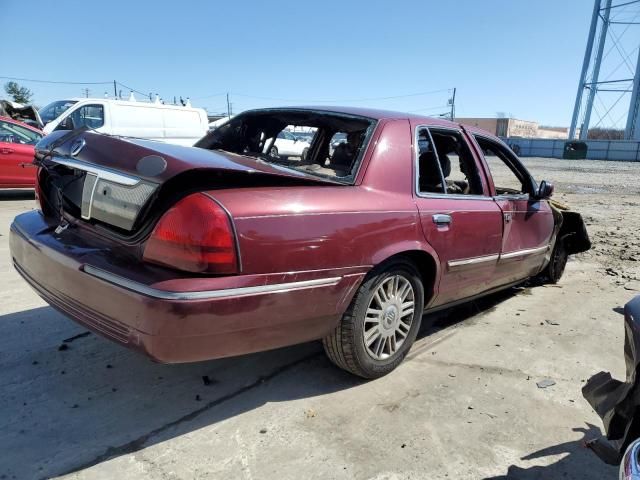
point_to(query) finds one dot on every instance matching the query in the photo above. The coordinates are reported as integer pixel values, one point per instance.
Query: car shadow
(576, 461)
(72, 399)
(12, 194)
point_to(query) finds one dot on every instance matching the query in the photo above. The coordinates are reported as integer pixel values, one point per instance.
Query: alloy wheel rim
(388, 319)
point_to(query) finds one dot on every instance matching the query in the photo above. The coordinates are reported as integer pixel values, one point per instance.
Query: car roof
(18, 122)
(376, 114)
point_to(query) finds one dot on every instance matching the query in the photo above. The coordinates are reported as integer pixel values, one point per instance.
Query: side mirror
(545, 189)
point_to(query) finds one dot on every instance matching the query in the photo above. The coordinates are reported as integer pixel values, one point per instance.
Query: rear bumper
(195, 319)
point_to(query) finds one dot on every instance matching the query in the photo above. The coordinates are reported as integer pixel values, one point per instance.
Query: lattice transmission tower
(609, 89)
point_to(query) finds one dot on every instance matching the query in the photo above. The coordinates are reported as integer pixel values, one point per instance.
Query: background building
(512, 127)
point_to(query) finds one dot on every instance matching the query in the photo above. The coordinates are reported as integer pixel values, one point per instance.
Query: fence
(616, 150)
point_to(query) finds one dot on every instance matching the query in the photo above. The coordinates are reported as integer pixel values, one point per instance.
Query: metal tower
(609, 87)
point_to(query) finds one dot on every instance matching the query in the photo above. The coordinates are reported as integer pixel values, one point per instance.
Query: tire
(389, 333)
(553, 272)
(273, 152)
(304, 154)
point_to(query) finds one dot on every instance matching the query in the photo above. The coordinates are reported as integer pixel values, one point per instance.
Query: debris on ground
(551, 322)
(207, 380)
(76, 337)
(63, 347)
(547, 382)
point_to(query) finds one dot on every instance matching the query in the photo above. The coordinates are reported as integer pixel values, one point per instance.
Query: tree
(17, 93)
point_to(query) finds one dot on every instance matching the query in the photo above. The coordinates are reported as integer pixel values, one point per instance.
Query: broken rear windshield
(271, 136)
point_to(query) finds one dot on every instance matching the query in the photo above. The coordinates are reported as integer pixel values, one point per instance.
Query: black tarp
(616, 402)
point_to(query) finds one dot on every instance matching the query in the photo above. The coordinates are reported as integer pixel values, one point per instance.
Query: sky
(519, 57)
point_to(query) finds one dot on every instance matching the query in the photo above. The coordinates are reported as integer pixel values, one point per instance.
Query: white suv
(288, 145)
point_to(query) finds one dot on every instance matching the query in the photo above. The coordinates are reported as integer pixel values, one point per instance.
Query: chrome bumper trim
(208, 294)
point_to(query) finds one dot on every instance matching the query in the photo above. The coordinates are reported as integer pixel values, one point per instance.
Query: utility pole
(452, 102)
(585, 68)
(596, 71)
(228, 106)
(115, 90)
(86, 92)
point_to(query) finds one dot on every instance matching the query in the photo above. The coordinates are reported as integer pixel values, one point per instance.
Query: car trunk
(120, 186)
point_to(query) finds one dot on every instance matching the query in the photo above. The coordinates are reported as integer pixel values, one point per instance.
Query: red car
(16, 153)
(189, 254)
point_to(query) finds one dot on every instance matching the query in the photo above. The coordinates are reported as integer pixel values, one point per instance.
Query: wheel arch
(423, 256)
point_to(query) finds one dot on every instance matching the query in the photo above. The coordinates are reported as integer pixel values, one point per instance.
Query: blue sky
(514, 56)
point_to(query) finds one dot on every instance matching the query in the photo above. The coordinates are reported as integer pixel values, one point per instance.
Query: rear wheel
(381, 324)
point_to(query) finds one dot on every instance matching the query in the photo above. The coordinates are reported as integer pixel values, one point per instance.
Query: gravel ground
(465, 404)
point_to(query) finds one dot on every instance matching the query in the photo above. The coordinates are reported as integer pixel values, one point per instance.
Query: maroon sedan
(16, 153)
(189, 254)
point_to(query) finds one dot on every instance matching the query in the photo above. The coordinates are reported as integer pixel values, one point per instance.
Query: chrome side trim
(472, 261)
(525, 252)
(101, 172)
(207, 294)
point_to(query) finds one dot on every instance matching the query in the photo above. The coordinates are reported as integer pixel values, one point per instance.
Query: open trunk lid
(115, 181)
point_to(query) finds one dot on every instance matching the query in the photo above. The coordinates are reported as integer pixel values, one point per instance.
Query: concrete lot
(464, 406)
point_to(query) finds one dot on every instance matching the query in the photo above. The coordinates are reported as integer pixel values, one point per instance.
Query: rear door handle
(441, 219)
(6, 151)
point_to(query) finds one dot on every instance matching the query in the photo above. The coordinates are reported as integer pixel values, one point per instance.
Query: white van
(154, 121)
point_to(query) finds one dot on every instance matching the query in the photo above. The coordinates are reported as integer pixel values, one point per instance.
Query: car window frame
(21, 127)
(416, 163)
(102, 110)
(514, 164)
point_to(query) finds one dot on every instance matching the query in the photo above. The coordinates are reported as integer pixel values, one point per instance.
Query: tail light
(194, 235)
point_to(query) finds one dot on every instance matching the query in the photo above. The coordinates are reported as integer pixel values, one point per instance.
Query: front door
(459, 218)
(528, 221)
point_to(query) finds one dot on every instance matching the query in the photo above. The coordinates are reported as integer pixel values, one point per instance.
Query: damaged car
(22, 113)
(188, 254)
(618, 403)
(17, 142)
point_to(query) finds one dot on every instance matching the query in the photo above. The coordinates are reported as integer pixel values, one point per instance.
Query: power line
(52, 81)
(343, 100)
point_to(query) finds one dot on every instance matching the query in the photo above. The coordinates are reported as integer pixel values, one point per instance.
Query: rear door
(459, 217)
(528, 221)
(16, 155)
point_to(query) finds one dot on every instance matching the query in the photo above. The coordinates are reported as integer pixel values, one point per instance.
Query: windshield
(54, 110)
(266, 134)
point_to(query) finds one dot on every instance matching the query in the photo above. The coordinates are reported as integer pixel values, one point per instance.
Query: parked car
(177, 124)
(288, 145)
(17, 140)
(189, 254)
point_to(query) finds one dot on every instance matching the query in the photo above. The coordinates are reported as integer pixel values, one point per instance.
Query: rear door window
(445, 163)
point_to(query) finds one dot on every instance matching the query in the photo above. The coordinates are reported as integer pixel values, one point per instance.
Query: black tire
(345, 346)
(273, 152)
(553, 272)
(305, 152)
